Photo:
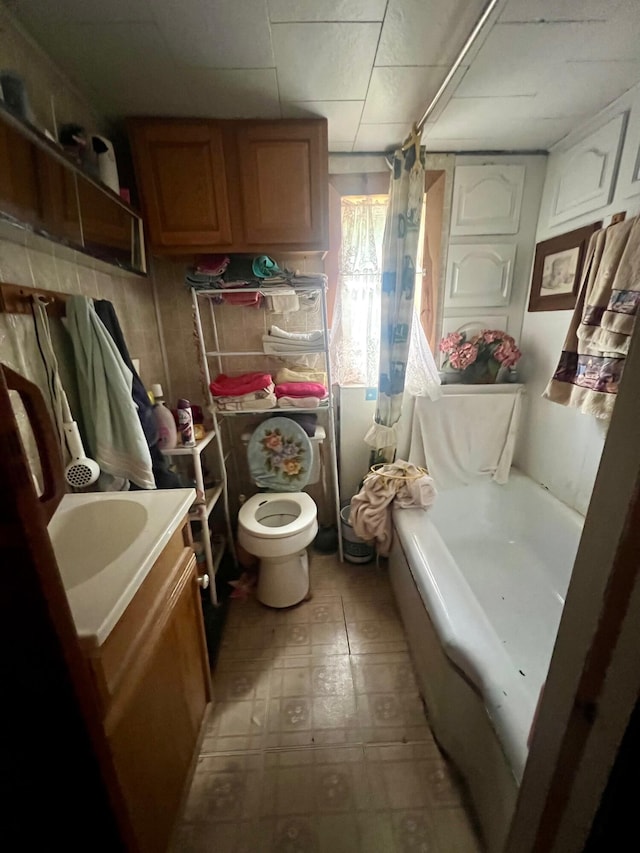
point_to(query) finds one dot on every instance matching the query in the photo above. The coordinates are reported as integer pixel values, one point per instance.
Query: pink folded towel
(299, 402)
(301, 389)
(235, 386)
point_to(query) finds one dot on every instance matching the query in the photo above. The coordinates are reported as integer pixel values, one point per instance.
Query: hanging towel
(399, 483)
(467, 436)
(115, 437)
(301, 389)
(280, 299)
(595, 349)
(232, 386)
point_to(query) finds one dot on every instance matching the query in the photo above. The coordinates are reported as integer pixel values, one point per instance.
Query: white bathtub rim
(468, 638)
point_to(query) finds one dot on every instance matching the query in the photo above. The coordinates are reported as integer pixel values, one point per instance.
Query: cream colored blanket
(399, 483)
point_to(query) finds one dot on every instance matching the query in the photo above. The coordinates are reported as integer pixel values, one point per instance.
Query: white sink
(90, 536)
(105, 544)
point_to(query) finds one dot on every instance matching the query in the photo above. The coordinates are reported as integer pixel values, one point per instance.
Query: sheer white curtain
(355, 333)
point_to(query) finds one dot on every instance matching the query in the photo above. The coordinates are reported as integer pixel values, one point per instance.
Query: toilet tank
(316, 442)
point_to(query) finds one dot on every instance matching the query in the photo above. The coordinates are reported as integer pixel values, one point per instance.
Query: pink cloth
(252, 298)
(301, 389)
(212, 264)
(236, 386)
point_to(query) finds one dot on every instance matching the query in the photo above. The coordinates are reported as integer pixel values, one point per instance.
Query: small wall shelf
(201, 510)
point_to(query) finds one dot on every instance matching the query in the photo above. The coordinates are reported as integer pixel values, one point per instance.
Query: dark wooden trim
(577, 239)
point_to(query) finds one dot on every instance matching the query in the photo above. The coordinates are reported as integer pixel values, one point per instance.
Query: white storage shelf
(197, 295)
(200, 511)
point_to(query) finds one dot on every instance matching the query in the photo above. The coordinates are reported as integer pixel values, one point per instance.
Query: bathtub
(480, 581)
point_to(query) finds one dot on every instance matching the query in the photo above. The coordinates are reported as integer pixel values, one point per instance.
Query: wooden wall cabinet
(233, 186)
(152, 679)
(45, 192)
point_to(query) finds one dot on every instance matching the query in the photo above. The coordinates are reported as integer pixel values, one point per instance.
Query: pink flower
(463, 356)
(507, 353)
(451, 341)
(273, 441)
(490, 336)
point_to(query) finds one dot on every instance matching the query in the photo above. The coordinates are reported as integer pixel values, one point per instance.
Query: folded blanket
(300, 374)
(220, 404)
(236, 386)
(298, 402)
(316, 336)
(301, 389)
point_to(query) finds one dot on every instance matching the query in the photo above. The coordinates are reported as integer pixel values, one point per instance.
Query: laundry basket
(355, 550)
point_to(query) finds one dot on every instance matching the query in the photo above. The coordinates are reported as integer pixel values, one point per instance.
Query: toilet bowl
(278, 524)
(277, 527)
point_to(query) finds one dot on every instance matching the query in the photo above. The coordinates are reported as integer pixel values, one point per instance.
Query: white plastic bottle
(185, 423)
(167, 431)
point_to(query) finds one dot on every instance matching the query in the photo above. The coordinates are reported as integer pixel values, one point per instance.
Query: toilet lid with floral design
(280, 455)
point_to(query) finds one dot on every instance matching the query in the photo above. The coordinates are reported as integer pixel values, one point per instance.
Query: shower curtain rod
(466, 47)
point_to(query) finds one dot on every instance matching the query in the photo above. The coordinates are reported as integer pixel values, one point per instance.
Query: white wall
(560, 447)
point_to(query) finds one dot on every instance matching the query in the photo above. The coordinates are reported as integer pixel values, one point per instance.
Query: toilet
(278, 524)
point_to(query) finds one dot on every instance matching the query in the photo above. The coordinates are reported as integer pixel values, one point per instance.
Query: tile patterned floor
(318, 741)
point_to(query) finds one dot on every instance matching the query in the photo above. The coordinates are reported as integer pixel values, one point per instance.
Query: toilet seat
(280, 455)
(271, 505)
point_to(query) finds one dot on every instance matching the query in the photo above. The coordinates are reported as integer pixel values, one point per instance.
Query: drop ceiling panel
(83, 11)
(419, 33)
(233, 93)
(400, 94)
(320, 62)
(377, 137)
(343, 116)
(559, 10)
(223, 34)
(289, 11)
(506, 135)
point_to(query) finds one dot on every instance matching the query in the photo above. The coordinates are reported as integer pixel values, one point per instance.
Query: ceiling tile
(419, 33)
(584, 88)
(505, 135)
(292, 11)
(81, 11)
(559, 10)
(320, 62)
(223, 34)
(232, 93)
(380, 137)
(343, 116)
(400, 94)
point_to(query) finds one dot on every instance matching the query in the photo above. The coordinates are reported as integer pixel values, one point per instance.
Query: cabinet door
(181, 172)
(155, 734)
(487, 199)
(284, 183)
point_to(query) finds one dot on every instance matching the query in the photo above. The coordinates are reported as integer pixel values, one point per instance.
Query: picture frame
(557, 270)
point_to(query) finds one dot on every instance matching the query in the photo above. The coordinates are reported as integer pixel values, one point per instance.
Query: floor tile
(318, 741)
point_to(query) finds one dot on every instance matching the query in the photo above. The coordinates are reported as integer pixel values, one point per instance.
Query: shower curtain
(399, 253)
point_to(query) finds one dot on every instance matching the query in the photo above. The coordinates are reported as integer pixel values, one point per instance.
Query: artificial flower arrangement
(479, 357)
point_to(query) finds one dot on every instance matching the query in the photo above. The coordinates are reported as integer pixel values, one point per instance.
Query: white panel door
(629, 180)
(585, 174)
(479, 275)
(487, 199)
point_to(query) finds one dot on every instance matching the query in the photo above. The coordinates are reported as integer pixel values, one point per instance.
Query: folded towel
(252, 298)
(277, 346)
(247, 398)
(300, 374)
(316, 336)
(298, 402)
(211, 264)
(285, 301)
(268, 402)
(115, 438)
(301, 389)
(235, 386)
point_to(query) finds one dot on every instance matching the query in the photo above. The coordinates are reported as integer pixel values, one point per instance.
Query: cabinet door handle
(203, 581)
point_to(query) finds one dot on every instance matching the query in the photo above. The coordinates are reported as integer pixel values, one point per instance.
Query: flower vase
(482, 373)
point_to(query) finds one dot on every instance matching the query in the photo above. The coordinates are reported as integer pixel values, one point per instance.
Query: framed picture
(557, 270)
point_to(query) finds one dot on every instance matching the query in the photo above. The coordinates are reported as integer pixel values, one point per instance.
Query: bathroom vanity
(135, 599)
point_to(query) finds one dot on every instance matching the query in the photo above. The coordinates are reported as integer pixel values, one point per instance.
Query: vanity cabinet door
(154, 733)
(181, 173)
(284, 183)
